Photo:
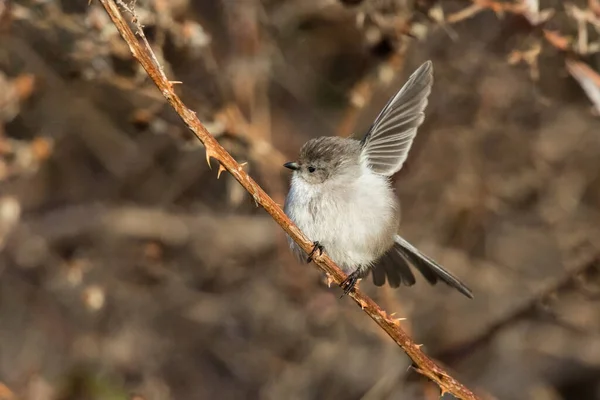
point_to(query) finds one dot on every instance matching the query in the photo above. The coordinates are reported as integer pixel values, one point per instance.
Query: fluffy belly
(355, 231)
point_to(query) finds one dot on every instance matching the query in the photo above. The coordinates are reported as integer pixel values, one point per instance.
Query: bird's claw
(316, 246)
(350, 282)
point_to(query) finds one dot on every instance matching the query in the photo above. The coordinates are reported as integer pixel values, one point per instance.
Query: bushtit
(341, 196)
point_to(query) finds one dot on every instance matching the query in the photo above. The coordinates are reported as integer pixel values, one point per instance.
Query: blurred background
(128, 271)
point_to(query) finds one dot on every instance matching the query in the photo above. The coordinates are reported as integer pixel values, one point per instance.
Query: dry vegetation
(128, 271)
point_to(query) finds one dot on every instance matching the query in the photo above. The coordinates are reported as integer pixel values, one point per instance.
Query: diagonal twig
(144, 55)
(588, 79)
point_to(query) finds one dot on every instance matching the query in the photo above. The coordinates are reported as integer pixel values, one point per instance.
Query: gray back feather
(388, 141)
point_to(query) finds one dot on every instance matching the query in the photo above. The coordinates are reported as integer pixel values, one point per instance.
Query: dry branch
(588, 78)
(145, 56)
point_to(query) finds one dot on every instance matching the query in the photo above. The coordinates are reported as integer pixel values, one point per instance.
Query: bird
(341, 195)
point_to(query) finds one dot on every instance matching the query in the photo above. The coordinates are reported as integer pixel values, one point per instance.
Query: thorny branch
(144, 55)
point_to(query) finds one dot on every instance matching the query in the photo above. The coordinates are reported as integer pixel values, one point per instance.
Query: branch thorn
(221, 169)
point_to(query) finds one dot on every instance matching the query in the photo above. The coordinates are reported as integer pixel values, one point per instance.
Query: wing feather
(388, 141)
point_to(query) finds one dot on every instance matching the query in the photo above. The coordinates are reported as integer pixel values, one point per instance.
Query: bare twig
(586, 263)
(526, 8)
(588, 79)
(143, 54)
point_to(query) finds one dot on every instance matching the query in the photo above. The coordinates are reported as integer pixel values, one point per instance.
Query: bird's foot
(350, 282)
(316, 246)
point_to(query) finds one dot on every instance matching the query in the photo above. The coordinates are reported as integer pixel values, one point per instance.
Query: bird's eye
(311, 169)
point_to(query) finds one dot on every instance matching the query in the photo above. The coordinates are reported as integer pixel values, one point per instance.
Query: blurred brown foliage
(128, 271)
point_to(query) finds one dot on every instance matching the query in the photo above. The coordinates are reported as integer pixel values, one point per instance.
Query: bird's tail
(394, 265)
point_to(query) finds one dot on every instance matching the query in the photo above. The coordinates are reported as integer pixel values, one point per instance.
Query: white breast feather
(341, 217)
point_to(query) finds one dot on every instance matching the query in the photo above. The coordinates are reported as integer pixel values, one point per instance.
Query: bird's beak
(292, 165)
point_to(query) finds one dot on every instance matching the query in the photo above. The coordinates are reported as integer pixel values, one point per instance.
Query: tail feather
(429, 274)
(395, 262)
(395, 267)
(378, 275)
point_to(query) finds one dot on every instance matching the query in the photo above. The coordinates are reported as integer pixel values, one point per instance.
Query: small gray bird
(341, 196)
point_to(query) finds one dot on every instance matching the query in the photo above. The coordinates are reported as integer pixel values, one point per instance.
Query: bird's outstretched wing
(388, 141)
